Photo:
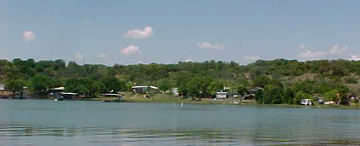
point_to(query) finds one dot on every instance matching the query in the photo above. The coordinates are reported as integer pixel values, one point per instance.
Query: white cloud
(355, 58)
(208, 45)
(335, 51)
(252, 58)
(29, 35)
(130, 50)
(139, 33)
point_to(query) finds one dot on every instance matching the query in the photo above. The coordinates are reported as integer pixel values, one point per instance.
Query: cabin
(144, 89)
(139, 89)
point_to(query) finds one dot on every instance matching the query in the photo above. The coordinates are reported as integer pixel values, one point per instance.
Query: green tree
(15, 85)
(215, 86)
(113, 84)
(306, 86)
(289, 96)
(199, 87)
(259, 97)
(82, 86)
(342, 89)
(261, 81)
(241, 90)
(97, 88)
(351, 80)
(273, 94)
(39, 84)
(332, 95)
(165, 84)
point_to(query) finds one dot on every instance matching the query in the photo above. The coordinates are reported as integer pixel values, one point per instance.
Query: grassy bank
(166, 98)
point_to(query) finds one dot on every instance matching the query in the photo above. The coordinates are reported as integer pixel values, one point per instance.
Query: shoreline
(177, 100)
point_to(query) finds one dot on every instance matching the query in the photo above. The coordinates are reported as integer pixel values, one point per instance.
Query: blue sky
(167, 31)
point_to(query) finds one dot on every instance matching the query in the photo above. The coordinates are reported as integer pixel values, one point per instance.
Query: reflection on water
(89, 123)
(18, 134)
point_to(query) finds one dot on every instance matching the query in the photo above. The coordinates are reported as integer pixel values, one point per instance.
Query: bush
(350, 80)
(273, 94)
(15, 85)
(331, 95)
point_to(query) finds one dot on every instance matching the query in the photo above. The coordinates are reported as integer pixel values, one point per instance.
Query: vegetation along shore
(279, 81)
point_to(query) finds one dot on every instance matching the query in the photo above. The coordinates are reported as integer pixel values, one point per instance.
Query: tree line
(284, 81)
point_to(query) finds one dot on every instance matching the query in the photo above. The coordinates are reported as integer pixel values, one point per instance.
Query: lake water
(82, 123)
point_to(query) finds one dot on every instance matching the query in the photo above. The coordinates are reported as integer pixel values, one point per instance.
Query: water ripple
(16, 132)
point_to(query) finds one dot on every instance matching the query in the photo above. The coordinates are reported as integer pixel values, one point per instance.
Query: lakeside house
(59, 93)
(4, 93)
(227, 93)
(55, 91)
(144, 89)
(69, 95)
(223, 94)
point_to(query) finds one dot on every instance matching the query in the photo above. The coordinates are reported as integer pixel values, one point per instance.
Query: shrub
(350, 80)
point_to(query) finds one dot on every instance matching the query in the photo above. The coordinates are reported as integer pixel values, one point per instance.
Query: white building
(221, 95)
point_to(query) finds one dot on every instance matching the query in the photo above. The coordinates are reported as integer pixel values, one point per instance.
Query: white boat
(329, 102)
(306, 102)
